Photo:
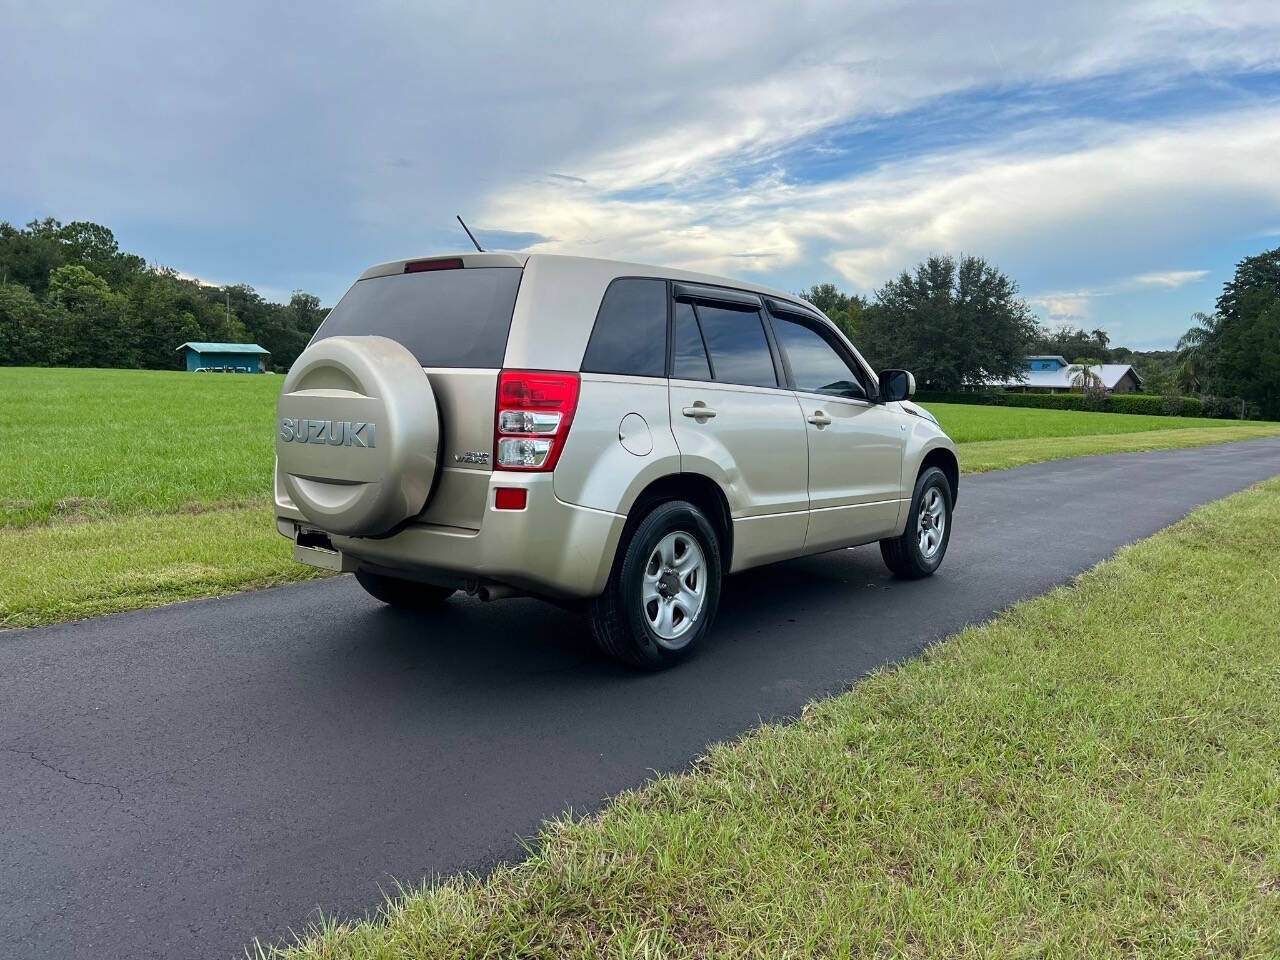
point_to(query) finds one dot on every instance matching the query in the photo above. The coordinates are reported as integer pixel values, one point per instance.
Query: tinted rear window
(446, 318)
(736, 341)
(630, 335)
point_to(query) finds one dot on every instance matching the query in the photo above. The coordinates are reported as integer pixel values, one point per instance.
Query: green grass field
(967, 423)
(77, 444)
(123, 487)
(1094, 774)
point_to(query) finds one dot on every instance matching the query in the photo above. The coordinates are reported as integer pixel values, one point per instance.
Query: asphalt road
(175, 782)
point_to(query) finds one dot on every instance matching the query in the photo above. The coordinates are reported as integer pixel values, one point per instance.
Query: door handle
(819, 419)
(699, 411)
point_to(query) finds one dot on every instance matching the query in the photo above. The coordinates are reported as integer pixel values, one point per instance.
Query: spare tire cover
(357, 435)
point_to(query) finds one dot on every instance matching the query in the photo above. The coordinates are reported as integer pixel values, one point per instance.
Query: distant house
(226, 357)
(1052, 374)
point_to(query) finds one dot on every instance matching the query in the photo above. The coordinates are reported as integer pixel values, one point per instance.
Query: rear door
(855, 445)
(455, 320)
(736, 422)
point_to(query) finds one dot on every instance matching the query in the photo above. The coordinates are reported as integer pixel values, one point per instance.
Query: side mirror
(896, 385)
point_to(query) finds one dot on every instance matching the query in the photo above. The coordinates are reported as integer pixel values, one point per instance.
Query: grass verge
(1095, 773)
(970, 423)
(50, 574)
(981, 456)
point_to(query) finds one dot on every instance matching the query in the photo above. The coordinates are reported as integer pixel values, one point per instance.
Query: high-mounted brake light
(535, 411)
(421, 266)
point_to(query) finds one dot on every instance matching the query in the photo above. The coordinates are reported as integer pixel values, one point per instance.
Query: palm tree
(1188, 375)
(1084, 376)
(1197, 349)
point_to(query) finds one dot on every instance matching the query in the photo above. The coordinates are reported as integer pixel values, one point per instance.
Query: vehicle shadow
(510, 642)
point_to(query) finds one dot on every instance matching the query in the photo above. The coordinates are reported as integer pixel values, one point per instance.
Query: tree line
(959, 323)
(1235, 351)
(69, 297)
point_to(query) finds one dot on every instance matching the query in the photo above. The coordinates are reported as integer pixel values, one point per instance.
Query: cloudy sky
(1115, 159)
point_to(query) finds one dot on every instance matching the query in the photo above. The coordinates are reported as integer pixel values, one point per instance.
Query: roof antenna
(471, 235)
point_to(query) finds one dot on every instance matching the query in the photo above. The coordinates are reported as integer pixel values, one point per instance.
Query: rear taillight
(535, 411)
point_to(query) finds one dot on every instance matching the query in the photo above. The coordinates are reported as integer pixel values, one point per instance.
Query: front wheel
(920, 549)
(664, 589)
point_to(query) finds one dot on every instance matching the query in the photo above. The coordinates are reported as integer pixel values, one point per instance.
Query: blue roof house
(1054, 374)
(225, 357)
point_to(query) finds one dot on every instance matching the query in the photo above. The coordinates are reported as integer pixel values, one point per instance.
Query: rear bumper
(551, 547)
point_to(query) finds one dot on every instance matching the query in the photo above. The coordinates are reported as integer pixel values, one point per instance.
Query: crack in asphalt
(49, 765)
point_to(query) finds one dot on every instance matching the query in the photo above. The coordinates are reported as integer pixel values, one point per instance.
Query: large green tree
(22, 327)
(1249, 332)
(1236, 352)
(90, 323)
(28, 256)
(845, 310)
(164, 319)
(953, 323)
(94, 246)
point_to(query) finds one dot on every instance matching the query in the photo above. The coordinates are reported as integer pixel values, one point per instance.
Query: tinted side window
(688, 356)
(816, 367)
(630, 335)
(738, 347)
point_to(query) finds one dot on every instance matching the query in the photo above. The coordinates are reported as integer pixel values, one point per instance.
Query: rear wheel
(923, 544)
(406, 594)
(664, 589)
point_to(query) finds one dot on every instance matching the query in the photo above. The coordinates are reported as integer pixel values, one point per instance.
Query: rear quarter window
(688, 352)
(630, 334)
(445, 318)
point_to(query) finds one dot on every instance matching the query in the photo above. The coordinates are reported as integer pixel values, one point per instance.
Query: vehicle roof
(556, 309)
(591, 266)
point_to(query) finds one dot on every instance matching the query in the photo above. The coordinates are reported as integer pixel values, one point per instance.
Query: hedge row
(1172, 406)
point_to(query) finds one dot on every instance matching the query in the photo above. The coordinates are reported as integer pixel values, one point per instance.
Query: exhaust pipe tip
(495, 591)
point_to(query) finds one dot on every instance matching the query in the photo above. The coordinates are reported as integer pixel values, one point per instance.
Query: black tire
(903, 555)
(619, 616)
(404, 594)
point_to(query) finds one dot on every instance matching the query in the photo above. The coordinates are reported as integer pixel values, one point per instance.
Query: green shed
(226, 357)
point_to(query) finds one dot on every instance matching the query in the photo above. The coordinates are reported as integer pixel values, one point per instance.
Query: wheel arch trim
(700, 490)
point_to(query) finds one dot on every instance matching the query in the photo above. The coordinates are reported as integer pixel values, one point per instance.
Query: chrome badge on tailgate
(337, 433)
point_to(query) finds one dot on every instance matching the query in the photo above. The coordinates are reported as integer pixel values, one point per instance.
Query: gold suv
(607, 433)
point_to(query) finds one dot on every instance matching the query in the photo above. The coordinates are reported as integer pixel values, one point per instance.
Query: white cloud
(1169, 278)
(1076, 307)
(741, 82)
(1117, 191)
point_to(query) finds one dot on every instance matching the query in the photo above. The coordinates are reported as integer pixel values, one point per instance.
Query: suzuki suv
(611, 435)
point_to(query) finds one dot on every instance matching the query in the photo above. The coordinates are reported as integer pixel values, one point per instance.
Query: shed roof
(200, 347)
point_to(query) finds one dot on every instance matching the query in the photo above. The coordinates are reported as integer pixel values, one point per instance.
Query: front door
(855, 445)
(735, 423)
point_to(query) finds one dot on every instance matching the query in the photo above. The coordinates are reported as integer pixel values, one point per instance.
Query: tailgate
(466, 400)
